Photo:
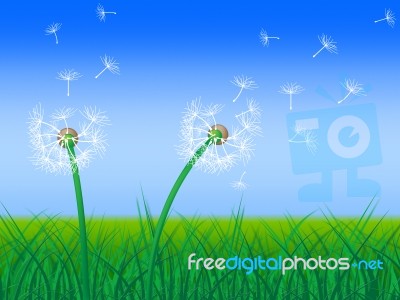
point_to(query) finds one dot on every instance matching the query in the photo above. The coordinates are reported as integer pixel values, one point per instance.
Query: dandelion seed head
(254, 108)
(110, 63)
(328, 43)
(63, 114)
(100, 12)
(265, 38)
(245, 149)
(390, 17)
(291, 88)
(68, 75)
(50, 140)
(244, 82)
(99, 141)
(53, 28)
(305, 136)
(250, 124)
(239, 185)
(96, 116)
(35, 117)
(199, 125)
(253, 111)
(310, 139)
(353, 87)
(213, 109)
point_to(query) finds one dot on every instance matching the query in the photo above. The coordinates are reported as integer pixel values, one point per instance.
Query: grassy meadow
(39, 257)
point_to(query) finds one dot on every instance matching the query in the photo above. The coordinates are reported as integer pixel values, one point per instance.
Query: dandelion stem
(97, 76)
(165, 211)
(290, 106)
(238, 95)
(82, 223)
(318, 51)
(68, 88)
(380, 20)
(55, 34)
(340, 101)
(296, 142)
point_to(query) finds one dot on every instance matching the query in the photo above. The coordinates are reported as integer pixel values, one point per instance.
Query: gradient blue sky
(169, 54)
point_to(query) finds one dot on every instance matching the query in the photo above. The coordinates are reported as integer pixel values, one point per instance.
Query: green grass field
(39, 257)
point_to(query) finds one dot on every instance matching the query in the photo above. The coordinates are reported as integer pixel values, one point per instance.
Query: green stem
(165, 212)
(82, 223)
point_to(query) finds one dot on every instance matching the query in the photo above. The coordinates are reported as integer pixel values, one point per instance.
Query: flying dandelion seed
(52, 29)
(109, 64)
(208, 146)
(305, 136)
(264, 38)
(389, 18)
(327, 43)
(53, 144)
(240, 185)
(244, 83)
(68, 75)
(353, 88)
(291, 89)
(101, 13)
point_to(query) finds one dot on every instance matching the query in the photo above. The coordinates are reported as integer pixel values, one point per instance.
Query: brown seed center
(224, 132)
(63, 132)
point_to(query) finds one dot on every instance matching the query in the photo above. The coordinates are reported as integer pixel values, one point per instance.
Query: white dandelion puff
(244, 83)
(52, 29)
(49, 139)
(327, 43)
(353, 88)
(305, 136)
(240, 185)
(199, 125)
(109, 64)
(101, 13)
(291, 89)
(68, 75)
(389, 18)
(264, 38)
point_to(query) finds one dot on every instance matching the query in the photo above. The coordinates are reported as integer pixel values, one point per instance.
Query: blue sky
(169, 54)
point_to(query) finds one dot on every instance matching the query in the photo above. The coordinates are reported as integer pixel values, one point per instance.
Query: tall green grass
(39, 257)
